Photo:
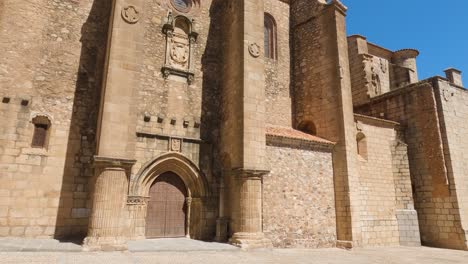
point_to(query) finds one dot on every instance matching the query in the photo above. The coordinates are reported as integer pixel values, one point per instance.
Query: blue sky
(438, 29)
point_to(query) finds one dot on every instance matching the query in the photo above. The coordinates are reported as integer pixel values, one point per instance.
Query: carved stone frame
(168, 30)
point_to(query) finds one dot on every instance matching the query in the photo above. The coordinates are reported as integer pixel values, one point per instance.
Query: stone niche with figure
(181, 37)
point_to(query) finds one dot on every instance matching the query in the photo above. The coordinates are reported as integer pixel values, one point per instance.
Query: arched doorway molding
(193, 178)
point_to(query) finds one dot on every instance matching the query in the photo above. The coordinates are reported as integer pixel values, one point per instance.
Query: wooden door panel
(166, 207)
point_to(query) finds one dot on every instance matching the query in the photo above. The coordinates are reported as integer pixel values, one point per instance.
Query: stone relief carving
(383, 65)
(176, 144)
(180, 41)
(180, 51)
(254, 50)
(447, 95)
(136, 200)
(375, 82)
(130, 14)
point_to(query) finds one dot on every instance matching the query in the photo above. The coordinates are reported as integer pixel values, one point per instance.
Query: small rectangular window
(40, 136)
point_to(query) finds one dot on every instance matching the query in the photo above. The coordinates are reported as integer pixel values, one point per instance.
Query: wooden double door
(166, 215)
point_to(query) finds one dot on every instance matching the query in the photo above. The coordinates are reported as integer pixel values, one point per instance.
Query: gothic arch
(193, 178)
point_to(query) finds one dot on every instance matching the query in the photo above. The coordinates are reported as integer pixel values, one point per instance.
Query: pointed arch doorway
(167, 209)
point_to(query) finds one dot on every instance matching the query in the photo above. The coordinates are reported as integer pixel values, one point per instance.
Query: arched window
(308, 127)
(361, 145)
(41, 132)
(270, 37)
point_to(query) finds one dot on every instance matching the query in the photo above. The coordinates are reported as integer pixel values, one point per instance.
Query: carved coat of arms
(176, 144)
(180, 52)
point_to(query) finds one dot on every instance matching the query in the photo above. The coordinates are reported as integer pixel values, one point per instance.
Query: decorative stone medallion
(176, 144)
(130, 14)
(254, 50)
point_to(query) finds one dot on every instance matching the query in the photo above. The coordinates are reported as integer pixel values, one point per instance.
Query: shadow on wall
(211, 104)
(74, 207)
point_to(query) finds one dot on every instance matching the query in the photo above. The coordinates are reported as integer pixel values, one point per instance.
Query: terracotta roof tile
(288, 132)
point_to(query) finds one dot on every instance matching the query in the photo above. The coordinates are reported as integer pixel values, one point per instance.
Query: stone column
(248, 215)
(107, 222)
(116, 133)
(188, 201)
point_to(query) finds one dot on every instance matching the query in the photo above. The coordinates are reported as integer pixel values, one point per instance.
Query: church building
(259, 123)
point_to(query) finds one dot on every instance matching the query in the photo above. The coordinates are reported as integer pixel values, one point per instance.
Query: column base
(344, 244)
(221, 229)
(105, 244)
(250, 240)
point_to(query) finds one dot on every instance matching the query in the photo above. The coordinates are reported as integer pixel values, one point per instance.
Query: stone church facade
(254, 122)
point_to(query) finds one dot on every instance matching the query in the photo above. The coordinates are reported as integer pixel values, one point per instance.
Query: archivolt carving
(174, 162)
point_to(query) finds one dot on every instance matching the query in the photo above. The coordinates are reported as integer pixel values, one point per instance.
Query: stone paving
(189, 251)
(33, 245)
(149, 245)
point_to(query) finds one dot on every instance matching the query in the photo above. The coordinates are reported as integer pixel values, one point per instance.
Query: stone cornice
(339, 6)
(375, 120)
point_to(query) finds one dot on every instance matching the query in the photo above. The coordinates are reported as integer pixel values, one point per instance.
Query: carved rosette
(130, 14)
(180, 41)
(254, 50)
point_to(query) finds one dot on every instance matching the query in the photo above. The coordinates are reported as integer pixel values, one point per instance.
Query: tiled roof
(288, 132)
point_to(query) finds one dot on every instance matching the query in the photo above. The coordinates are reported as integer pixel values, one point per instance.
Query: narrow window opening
(361, 145)
(270, 37)
(41, 132)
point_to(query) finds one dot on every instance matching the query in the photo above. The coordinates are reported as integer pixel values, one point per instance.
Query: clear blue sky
(438, 29)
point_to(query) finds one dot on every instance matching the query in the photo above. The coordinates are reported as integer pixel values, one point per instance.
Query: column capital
(249, 173)
(102, 161)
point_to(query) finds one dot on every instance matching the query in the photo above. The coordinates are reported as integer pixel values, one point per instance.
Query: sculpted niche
(181, 37)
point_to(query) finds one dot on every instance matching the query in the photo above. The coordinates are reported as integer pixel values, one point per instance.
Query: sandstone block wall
(388, 217)
(415, 108)
(54, 60)
(453, 112)
(298, 194)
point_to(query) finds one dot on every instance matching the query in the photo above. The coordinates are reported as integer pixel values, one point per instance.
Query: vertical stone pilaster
(107, 223)
(323, 100)
(243, 130)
